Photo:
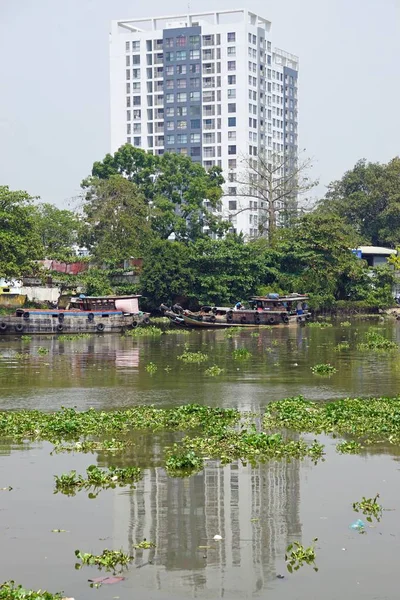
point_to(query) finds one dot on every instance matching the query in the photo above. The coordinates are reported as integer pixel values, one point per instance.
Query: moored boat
(264, 310)
(86, 314)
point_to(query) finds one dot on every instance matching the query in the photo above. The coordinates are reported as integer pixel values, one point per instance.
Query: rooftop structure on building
(210, 86)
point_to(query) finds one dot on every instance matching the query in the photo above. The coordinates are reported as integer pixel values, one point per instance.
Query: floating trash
(217, 537)
(358, 525)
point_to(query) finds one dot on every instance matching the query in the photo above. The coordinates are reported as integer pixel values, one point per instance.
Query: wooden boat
(265, 310)
(86, 314)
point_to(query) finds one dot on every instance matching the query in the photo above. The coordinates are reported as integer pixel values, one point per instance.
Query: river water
(257, 511)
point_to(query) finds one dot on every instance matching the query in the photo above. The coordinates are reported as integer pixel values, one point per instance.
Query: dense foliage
(164, 209)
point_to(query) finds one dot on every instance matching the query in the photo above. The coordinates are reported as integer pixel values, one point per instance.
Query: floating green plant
(342, 346)
(192, 357)
(234, 331)
(70, 483)
(248, 445)
(376, 341)
(144, 332)
(323, 369)
(109, 560)
(42, 350)
(373, 419)
(345, 324)
(319, 324)
(213, 371)
(178, 331)
(151, 368)
(348, 447)
(241, 354)
(144, 545)
(297, 555)
(26, 338)
(11, 591)
(70, 424)
(369, 507)
(87, 446)
(255, 334)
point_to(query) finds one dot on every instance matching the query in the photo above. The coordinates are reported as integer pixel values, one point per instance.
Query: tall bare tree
(277, 182)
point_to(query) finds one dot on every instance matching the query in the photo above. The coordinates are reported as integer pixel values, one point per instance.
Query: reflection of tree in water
(256, 511)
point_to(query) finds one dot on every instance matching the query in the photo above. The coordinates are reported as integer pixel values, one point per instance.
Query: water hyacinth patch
(144, 545)
(96, 479)
(323, 369)
(342, 346)
(373, 419)
(377, 342)
(319, 324)
(241, 354)
(151, 368)
(296, 555)
(9, 590)
(193, 357)
(213, 371)
(69, 424)
(345, 324)
(108, 560)
(369, 507)
(87, 446)
(348, 448)
(144, 332)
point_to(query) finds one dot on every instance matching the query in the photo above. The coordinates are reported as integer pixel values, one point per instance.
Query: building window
(209, 138)
(182, 138)
(136, 86)
(195, 82)
(195, 55)
(181, 124)
(181, 97)
(170, 139)
(169, 112)
(232, 191)
(194, 40)
(231, 79)
(137, 141)
(232, 163)
(231, 135)
(195, 96)
(181, 41)
(231, 65)
(231, 149)
(195, 111)
(127, 46)
(169, 56)
(128, 101)
(136, 59)
(136, 46)
(128, 88)
(170, 98)
(137, 128)
(181, 55)
(208, 96)
(195, 68)
(195, 151)
(231, 93)
(169, 70)
(136, 101)
(195, 124)
(231, 121)
(181, 111)
(232, 205)
(232, 107)
(182, 151)
(128, 115)
(137, 114)
(169, 84)
(231, 50)
(170, 125)
(181, 83)
(195, 138)
(208, 40)
(231, 36)
(181, 69)
(169, 42)
(128, 74)
(209, 152)
(136, 73)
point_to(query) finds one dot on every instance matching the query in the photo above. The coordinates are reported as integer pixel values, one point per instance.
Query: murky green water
(257, 511)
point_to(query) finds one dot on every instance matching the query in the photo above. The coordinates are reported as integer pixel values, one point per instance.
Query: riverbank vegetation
(159, 208)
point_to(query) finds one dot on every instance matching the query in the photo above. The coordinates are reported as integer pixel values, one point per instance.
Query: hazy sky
(54, 83)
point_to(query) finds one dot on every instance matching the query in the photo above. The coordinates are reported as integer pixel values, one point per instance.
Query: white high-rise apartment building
(207, 85)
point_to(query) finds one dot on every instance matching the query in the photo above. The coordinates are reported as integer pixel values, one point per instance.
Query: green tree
(226, 270)
(58, 229)
(20, 243)
(368, 198)
(167, 273)
(315, 257)
(116, 223)
(182, 196)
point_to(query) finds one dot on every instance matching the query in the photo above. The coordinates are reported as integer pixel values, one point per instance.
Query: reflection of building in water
(256, 511)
